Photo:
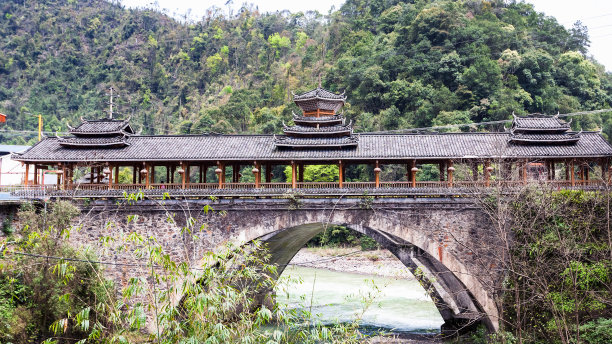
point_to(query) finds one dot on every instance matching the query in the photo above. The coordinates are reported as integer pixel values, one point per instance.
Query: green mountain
(402, 64)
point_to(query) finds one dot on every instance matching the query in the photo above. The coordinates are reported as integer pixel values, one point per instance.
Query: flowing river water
(401, 305)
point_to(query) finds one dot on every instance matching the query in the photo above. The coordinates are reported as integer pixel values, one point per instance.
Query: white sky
(595, 14)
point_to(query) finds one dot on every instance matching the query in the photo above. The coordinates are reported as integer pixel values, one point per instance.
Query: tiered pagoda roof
(319, 99)
(98, 133)
(542, 130)
(319, 126)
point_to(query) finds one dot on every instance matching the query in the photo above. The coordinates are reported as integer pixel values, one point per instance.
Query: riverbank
(352, 260)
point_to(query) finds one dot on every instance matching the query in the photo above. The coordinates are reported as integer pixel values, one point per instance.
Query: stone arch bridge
(446, 241)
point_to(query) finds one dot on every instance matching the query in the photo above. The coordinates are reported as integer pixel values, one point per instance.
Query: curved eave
(545, 142)
(351, 144)
(97, 145)
(544, 130)
(325, 121)
(317, 132)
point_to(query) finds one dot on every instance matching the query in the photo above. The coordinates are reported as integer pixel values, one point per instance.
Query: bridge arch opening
(457, 306)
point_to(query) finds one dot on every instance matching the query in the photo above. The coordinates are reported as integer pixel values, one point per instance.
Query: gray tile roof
(539, 123)
(539, 138)
(93, 141)
(319, 93)
(371, 147)
(102, 126)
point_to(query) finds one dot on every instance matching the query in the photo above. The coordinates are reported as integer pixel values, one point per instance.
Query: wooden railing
(324, 188)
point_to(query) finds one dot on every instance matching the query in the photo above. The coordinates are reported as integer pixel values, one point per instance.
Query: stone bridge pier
(439, 239)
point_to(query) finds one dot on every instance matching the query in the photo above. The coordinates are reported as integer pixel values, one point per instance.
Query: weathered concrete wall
(443, 237)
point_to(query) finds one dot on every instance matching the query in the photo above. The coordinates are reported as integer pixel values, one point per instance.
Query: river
(400, 307)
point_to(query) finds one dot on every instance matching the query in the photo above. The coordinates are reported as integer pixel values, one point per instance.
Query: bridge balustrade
(309, 188)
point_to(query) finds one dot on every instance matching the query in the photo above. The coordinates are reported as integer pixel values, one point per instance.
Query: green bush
(597, 331)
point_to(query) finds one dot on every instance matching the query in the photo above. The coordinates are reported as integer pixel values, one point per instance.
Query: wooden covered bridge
(105, 157)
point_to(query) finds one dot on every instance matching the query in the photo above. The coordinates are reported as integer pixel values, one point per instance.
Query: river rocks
(353, 260)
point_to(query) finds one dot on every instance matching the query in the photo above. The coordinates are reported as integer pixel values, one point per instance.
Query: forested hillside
(402, 64)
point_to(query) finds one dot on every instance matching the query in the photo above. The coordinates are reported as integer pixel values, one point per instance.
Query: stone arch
(458, 299)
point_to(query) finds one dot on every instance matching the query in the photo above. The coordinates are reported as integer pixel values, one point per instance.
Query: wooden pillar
(413, 172)
(152, 178)
(257, 174)
(604, 169)
(268, 173)
(117, 174)
(35, 179)
(223, 173)
(219, 172)
(235, 173)
(134, 173)
(148, 175)
(340, 174)
(110, 176)
(572, 181)
(71, 173)
(64, 176)
(167, 174)
(100, 174)
(441, 168)
(183, 173)
(487, 172)
(27, 173)
(301, 173)
(293, 175)
(200, 174)
(553, 171)
(377, 174)
(524, 169)
(91, 175)
(451, 170)
(204, 170)
(475, 171)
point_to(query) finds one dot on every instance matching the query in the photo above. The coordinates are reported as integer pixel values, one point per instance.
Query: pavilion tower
(320, 125)
(542, 130)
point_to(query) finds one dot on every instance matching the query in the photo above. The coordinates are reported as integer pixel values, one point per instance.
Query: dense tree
(402, 64)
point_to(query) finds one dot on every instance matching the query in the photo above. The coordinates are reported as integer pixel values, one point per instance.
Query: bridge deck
(429, 188)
